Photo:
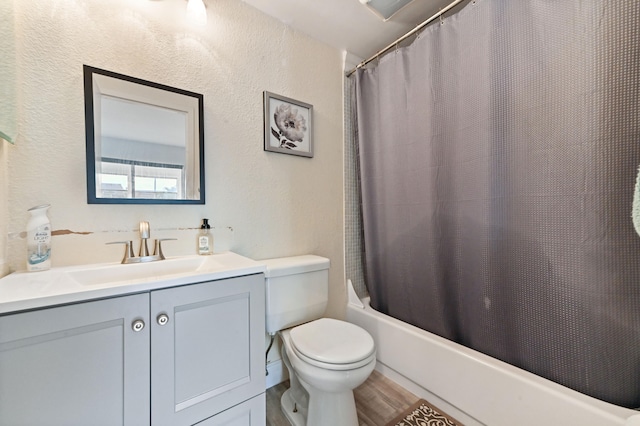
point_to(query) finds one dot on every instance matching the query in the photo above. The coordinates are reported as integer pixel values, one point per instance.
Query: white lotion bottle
(38, 239)
(205, 239)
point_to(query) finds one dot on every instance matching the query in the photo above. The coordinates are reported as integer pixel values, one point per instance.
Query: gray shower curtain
(498, 155)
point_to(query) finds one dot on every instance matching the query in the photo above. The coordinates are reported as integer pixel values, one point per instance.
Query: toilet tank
(297, 290)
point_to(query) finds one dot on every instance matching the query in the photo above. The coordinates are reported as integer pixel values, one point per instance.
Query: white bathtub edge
(433, 399)
(488, 390)
(352, 298)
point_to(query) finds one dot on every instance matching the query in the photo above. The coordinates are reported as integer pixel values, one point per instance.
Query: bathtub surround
(354, 248)
(498, 154)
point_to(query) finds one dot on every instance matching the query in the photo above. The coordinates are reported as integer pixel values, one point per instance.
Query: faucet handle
(144, 230)
(128, 250)
(144, 236)
(157, 251)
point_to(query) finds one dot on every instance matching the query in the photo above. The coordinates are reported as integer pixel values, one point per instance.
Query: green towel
(8, 71)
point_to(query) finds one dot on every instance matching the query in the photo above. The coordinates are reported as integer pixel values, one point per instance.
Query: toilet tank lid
(294, 265)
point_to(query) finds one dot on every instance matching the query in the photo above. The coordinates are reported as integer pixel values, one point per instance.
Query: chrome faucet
(144, 236)
(143, 252)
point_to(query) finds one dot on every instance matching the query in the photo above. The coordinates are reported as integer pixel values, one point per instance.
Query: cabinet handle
(162, 319)
(137, 325)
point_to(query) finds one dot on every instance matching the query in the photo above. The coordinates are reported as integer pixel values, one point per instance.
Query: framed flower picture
(287, 125)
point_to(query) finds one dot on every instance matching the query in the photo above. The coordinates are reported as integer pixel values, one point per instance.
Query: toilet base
(295, 417)
(332, 410)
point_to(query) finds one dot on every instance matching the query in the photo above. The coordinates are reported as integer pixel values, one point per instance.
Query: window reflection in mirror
(144, 141)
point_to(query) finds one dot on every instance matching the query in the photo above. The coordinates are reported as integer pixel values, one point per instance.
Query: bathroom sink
(151, 271)
(24, 290)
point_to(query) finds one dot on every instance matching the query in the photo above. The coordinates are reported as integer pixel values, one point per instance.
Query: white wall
(260, 204)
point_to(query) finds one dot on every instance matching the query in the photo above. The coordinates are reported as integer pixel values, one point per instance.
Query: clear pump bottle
(205, 239)
(38, 239)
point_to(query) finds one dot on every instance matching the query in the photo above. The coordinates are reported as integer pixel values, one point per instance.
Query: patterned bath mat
(423, 414)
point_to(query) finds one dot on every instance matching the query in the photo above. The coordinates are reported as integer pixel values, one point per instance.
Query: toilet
(326, 358)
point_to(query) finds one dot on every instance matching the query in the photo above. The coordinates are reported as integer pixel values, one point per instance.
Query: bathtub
(472, 387)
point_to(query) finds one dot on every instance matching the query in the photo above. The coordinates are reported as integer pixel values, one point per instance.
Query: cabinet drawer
(249, 413)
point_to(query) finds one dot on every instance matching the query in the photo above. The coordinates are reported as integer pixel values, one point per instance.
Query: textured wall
(7, 120)
(261, 204)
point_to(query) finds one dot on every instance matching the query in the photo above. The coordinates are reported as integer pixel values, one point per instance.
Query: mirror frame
(90, 130)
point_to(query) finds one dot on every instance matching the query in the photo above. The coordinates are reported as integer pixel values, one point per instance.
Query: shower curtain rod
(407, 35)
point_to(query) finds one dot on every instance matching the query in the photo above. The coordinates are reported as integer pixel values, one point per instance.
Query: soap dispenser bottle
(205, 239)
(38, 239)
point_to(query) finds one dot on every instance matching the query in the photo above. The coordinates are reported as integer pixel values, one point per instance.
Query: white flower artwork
(287, 125)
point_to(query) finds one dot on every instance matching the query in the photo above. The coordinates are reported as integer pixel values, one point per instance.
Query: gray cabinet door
(209, 355)
(79, 364)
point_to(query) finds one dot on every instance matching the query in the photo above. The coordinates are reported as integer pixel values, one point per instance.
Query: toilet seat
(332, 344)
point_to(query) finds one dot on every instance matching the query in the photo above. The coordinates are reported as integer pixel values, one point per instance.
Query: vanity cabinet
(79, 364)
(175, 356)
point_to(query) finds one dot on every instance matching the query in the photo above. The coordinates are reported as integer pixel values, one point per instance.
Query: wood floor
(378, 400)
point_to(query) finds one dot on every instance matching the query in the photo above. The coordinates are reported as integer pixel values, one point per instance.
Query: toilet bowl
(326, 358)
(339, 360)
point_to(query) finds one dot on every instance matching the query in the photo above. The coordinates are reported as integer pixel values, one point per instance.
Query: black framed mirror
(145, 141)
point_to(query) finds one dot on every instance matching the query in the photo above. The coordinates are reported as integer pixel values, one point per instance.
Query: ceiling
(347, 24)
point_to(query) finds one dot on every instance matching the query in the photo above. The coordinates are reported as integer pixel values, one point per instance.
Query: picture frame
(288, 125)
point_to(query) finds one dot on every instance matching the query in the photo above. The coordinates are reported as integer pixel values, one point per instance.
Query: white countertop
(28, 290)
